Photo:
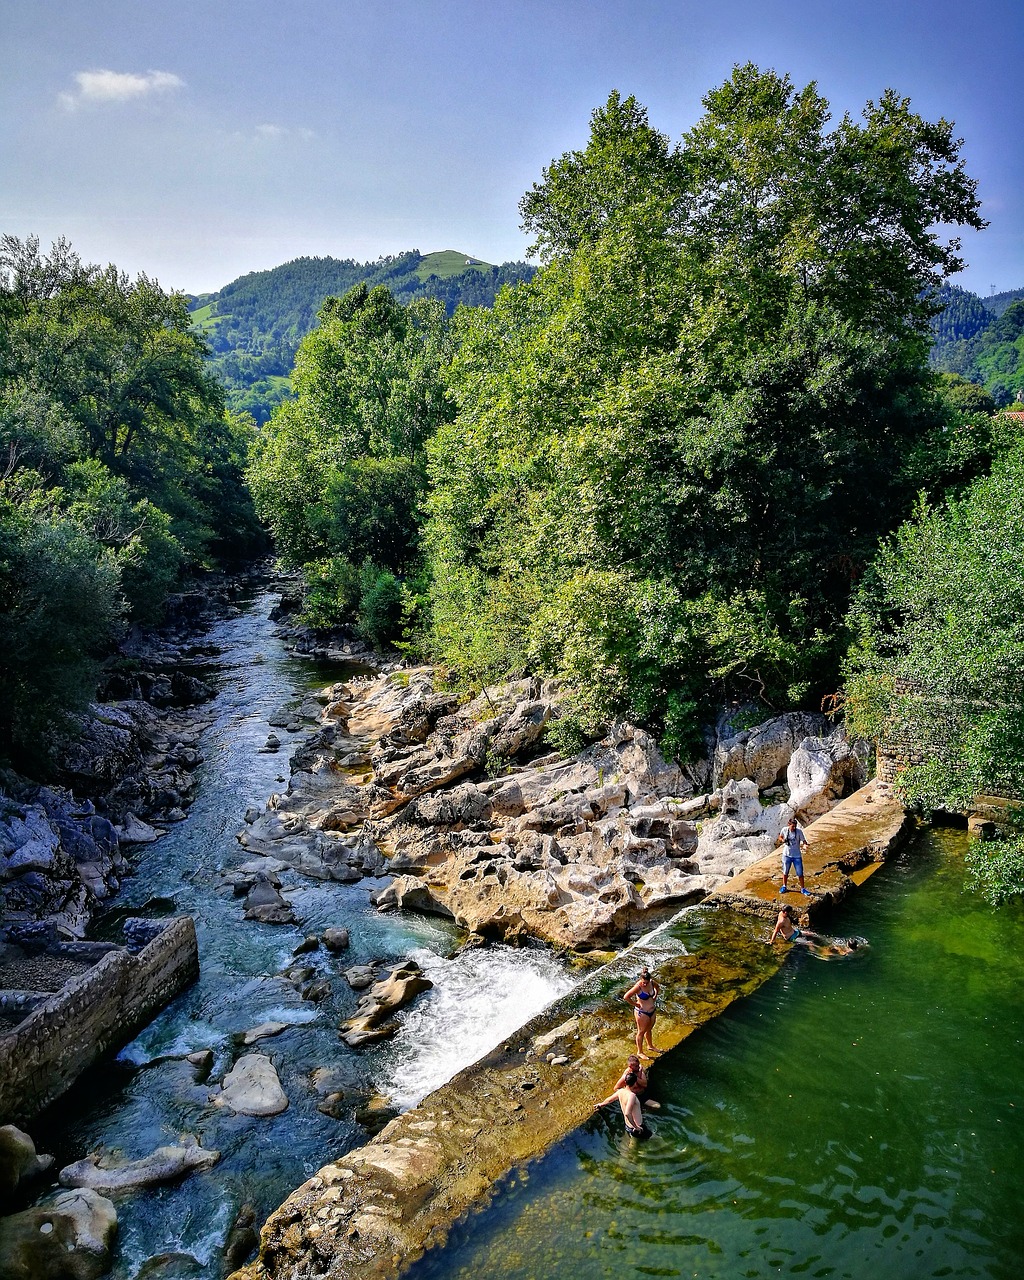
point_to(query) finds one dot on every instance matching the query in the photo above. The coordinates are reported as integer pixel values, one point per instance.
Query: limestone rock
(134, 831)
(359, 977)
(165, 1164)
(264, 1031)
(19, 1162)
(265, 904)
(69, 1238)
(371, 1022)
(764, 752)
(822, 771)
(335, 940)
(252, 1088)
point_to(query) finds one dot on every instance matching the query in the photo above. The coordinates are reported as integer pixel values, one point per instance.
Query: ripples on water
(856, 1121)
(118, 1107)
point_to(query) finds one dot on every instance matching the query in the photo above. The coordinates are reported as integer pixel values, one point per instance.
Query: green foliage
(939, 647)
(255, 324)
(982, 340)
(996, 869)
(59, 606)
(120, 468)
(673, 452)
(381, 606)
(332, 592)
(339, 472)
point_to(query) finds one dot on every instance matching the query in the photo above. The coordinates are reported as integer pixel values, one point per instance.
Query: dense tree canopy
(677, 447)
(339, 472)
(118, 469)
(940, 642)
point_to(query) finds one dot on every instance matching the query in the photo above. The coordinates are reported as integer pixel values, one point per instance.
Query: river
(858, 1119)
(148, 1097)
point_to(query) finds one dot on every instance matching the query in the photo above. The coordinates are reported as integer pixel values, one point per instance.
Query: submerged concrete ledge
(374, 1211)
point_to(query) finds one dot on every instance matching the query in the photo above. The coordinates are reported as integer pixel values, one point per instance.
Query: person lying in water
(632, 1113)
(787, 929)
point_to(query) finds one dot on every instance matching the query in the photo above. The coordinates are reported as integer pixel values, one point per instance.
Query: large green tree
(339, 472)
(677, 447)
(939, 654)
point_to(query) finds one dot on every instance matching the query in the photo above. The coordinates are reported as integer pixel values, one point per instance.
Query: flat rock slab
(252, 1088)
(846, 846)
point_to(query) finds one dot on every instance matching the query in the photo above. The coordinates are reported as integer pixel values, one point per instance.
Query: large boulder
(824, 770)
(764, 752)
(18, 1160)
(109, 743)
(165, 1164)
(265, 904)
(252, 1088)
(70, 1238)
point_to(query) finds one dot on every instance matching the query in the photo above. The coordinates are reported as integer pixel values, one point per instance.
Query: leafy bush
(996, 868)
(381, 605)
(332, 593)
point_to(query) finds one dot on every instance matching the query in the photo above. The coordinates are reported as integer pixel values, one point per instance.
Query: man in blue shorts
(792, 855)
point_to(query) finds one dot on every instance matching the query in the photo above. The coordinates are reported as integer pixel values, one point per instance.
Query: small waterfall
(479, 998)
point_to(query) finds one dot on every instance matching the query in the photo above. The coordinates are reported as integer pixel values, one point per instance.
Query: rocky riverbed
(476, 819)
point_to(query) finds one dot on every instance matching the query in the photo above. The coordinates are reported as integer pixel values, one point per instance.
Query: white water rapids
(479, 998)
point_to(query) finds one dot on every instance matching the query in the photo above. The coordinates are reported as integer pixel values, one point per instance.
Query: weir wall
(94, 1013)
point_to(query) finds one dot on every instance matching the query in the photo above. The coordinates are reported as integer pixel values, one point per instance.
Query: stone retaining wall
(94, 1013)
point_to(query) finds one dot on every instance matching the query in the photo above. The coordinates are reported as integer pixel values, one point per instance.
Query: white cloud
(273, 131)
(118, 86)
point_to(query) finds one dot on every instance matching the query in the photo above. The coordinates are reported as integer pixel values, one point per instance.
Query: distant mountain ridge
(982, 339)
(254, 324)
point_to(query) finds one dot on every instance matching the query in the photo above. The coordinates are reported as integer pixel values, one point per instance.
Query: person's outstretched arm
(614, 1097)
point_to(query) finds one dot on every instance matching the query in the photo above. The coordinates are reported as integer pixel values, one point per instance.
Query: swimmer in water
(788, 931)
(632, 1113)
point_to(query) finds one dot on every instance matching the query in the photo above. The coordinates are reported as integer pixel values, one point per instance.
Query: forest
(122, 471)
(982, 340)
(718, 451)
(254, 324)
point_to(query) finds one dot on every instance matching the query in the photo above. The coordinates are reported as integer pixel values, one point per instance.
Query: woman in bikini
(643, 996)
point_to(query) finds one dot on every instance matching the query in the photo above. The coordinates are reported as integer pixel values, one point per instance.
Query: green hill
(982, 339)
(255, 324)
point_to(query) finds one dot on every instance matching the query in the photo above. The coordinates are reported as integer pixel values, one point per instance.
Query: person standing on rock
(632, 1112)
(643, 996)
(792, 856)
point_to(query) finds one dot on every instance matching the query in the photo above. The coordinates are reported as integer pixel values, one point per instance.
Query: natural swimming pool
(853, 1119)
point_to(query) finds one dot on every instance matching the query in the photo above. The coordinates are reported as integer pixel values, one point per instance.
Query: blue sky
(199, 139)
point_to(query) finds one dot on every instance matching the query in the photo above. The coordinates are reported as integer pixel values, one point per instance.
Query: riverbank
(374, 1212)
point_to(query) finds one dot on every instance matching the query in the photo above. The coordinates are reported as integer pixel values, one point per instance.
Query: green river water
(861, 1118)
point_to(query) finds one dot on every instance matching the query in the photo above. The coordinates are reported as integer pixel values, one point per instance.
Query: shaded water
(857, 1119)
(120, 1107)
